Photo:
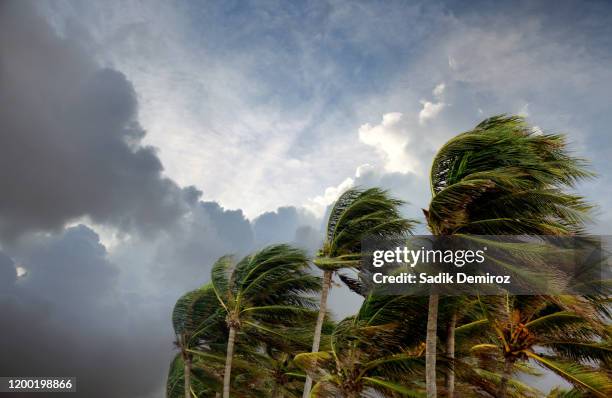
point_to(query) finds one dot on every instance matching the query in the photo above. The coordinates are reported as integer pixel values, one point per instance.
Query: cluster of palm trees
(258, 330)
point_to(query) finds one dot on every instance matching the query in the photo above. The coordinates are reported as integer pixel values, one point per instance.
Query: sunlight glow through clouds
(318, 204)
(390, 139)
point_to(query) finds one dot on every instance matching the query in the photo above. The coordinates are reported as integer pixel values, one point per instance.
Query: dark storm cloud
(8, 272)
(276, 225)
(185, 253)
(181, 256)
(286, 224)
(66, 317)
(69, 136)
(106, 318)
(70, 147)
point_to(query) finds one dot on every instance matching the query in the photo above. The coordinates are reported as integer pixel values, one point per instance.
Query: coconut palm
(271, 357)
(262, 293)
(565, 335)
(377, 352)
(201, 333)
(197, 320)
(501, 178)
(478, 375)
(203, 382)
(356, 215)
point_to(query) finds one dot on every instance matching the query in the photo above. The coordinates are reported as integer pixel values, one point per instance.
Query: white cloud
(390, 138)
(537, 130)
(430, 111)
(318, 204)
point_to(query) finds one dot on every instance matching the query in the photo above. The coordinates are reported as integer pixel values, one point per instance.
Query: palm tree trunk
(228, 361)
(503, 385)
(327, 278)
(187, 375)
(450, 353)
(430, 347)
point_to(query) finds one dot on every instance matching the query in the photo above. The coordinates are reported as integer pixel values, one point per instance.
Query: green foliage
(371, 352)
(268, 289)
(197, 318)
(561, 334)
(501, 178)
(356, 215)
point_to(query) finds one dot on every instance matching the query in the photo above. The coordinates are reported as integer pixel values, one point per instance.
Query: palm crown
(503, 178)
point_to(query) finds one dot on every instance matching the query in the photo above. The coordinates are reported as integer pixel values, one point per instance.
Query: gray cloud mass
(69, 136)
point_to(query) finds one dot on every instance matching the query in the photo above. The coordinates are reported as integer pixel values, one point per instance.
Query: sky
(141, 140)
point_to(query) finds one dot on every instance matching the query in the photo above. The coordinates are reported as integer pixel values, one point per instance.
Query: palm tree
(501, 178)
(271, 357)
(261, 293)
(479, 375)
(202, 383)
(377, 352)
(196, 319)
(357, 214)
(564, 334)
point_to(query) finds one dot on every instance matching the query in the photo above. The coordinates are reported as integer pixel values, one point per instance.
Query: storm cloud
(67, 317)
(70, 137)
(70, 149)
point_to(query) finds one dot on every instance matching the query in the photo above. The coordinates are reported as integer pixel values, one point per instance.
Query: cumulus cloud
(391, 139)
(180, 257)
(319, 203)
(70, 138)
(430, 109)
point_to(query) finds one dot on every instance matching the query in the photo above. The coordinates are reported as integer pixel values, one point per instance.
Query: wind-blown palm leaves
(356, 215)
(374, 353)
(553, 332)
(197, 320)
(501, 178)
(262, 294)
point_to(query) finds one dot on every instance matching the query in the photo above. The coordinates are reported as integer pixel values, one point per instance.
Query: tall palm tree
(501, 178)
(357, 214)
(261, 293)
